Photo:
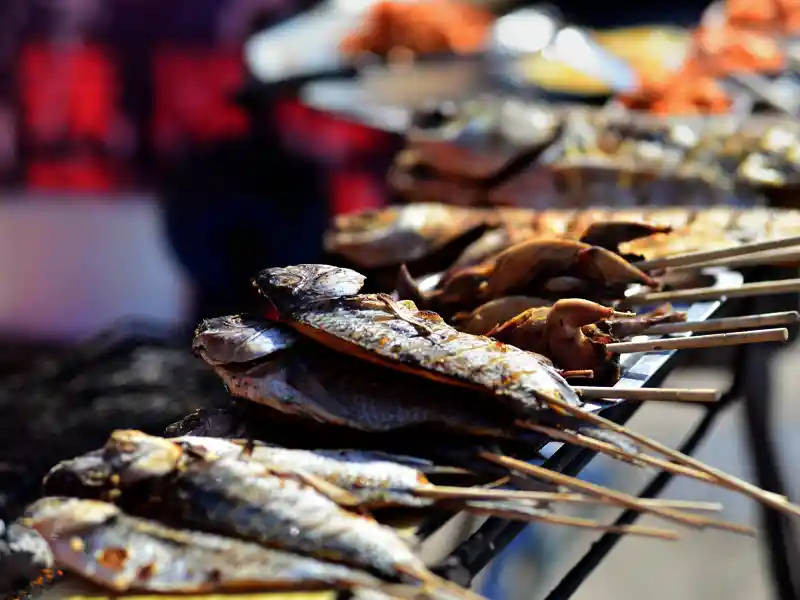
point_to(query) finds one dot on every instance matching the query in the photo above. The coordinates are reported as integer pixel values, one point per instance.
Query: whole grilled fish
(281, 369)
(400, 234)
(252, 501)
(98, 541)
(136, 461)
(322, 303)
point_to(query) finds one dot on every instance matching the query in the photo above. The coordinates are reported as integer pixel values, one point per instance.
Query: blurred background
(144, 175)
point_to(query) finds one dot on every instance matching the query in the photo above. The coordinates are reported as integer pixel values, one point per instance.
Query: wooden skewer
(713, 340)
(639, 530)
(638, 459)
(651, 394)
(703, 256)
(619, 498)
(446, 492)
(727, 323)
(760, 288)
(784, 256)
(770, 499)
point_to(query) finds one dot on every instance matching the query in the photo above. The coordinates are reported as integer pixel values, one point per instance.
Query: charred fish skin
(242, 499)
(524, 380)
(123, 553)
(310, 380)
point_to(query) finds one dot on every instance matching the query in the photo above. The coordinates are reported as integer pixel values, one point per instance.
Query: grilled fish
(137, 462)
(322, 302)
(98, 541)
(311, 380)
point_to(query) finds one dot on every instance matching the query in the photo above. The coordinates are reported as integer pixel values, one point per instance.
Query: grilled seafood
(322, 303)
(122, 553)
(357, 479)
(573, 333)
(249, 500)
(692, 229)
(495, 312)
(376, 238)
(539, 267)
(310, 380)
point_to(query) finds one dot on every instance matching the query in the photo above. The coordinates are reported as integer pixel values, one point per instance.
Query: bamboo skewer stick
(713, 340)
(760, 288)
(619, 497)
(770, 499)
(554, 519)
(782, 256)
(704, 256)
(726, 323)
(638, 459)
(651, 394)
(445, 492)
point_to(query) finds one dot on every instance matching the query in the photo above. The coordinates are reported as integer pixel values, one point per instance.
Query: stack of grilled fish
(215, 509)
(508, 152)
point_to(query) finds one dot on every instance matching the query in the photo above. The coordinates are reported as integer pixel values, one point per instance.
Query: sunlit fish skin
(309, 380)
(403, 338)
(399, 234)
(251, 501)
(123, 553)
(348, 469)
(243, 499)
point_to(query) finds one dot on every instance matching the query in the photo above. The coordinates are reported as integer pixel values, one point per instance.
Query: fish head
(57, 516)
(239, 339)
(293, 287)
(136, 456)
(84, 475)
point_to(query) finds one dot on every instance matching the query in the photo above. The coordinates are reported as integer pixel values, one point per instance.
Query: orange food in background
(420, 27)
(746, 41)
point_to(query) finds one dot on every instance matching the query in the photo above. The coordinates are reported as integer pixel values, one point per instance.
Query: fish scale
(244, 499)
(86, 534)
(525, 380)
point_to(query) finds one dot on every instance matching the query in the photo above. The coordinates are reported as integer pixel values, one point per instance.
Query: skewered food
(123, 553)
(353, 479)
(278, 508)
(690, 229)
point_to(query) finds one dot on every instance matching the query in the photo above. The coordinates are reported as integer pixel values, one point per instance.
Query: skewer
(760, 288)
(619, 498)
(770, 499)
(727, 323)
(782, 256)
(704, 256)
(638, 459)
(650, 395)
(639, 530)
(713, 340)
(445, 492)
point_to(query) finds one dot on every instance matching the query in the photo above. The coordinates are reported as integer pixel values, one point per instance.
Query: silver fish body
(312, 381)
(123, 553)
(244, 499)
(417, 341)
